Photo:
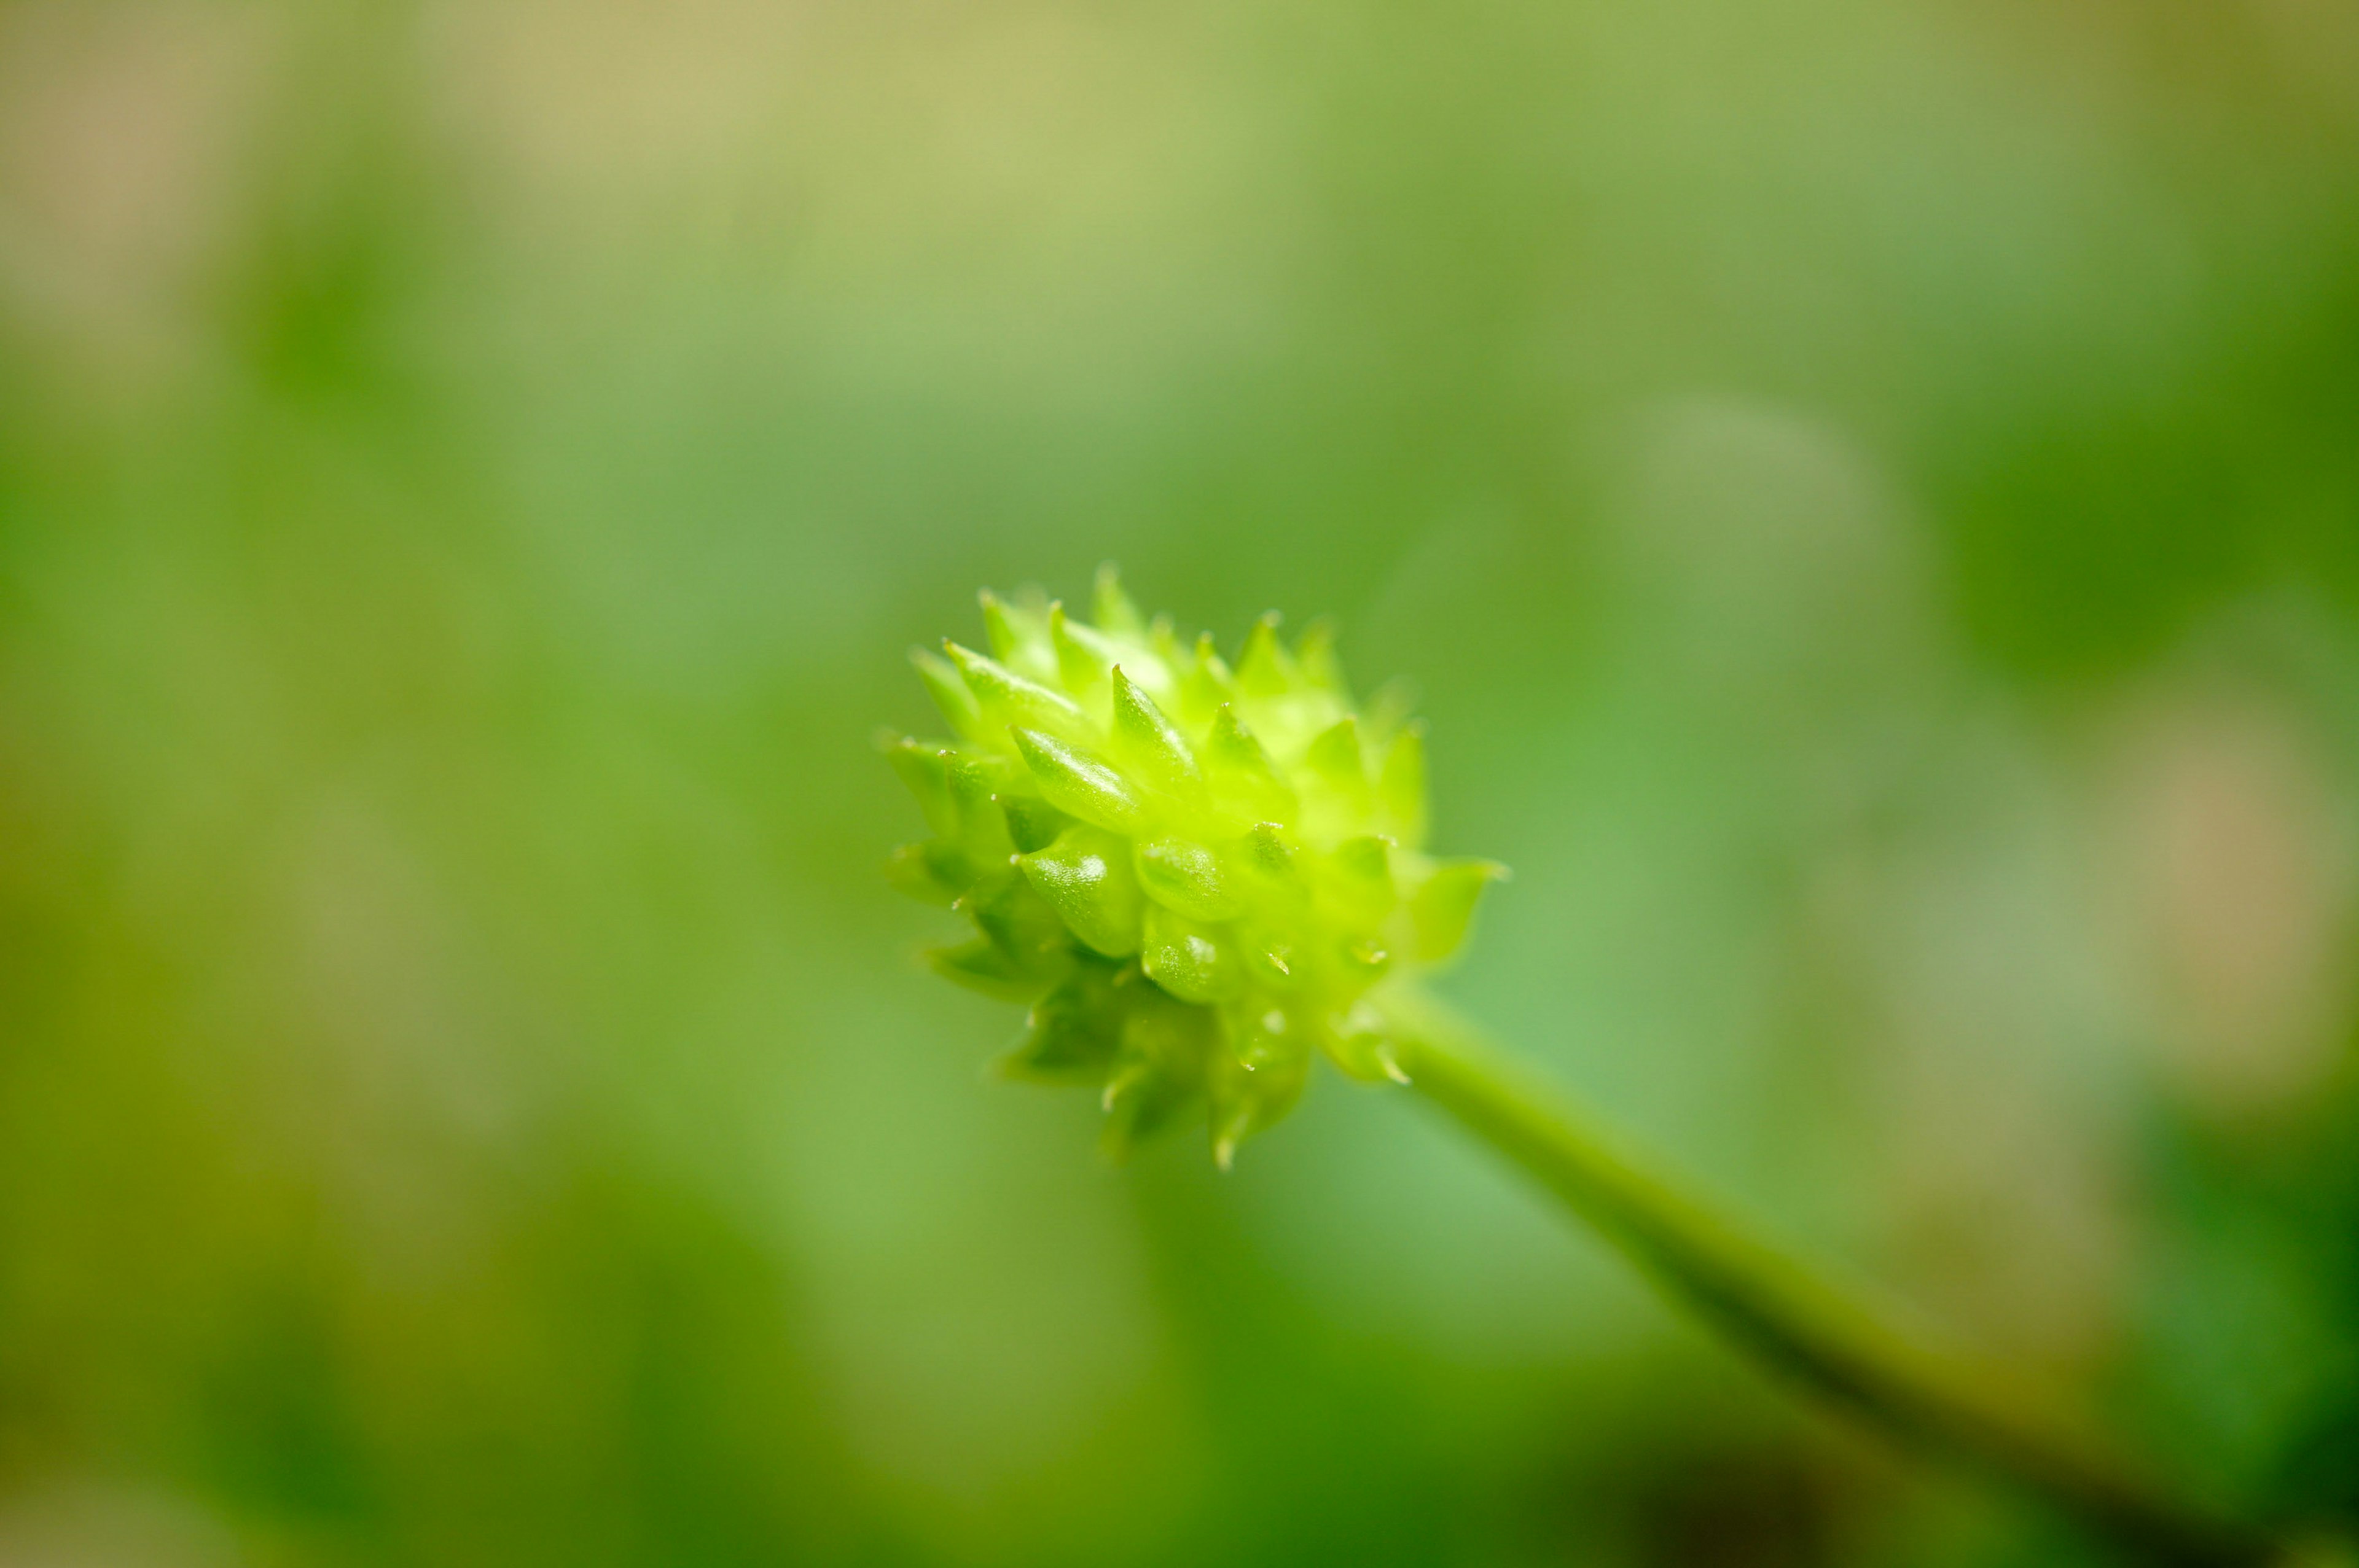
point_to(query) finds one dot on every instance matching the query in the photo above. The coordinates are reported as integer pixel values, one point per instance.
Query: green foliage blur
(1870, 493)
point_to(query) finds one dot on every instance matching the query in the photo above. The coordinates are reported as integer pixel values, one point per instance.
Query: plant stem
(1792, 1318)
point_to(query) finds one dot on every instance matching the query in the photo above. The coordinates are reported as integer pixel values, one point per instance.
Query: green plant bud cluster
(1192, 871)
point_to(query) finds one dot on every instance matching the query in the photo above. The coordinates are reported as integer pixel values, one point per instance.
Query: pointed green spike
(1207, 686)
(1358, 1041)
(1258, 1083)
(1366, 960)
(949, 690)
(999, 626)
(931, 871)
(1142, 1100)
(1243, 778)
(1087, 878)
(1231, 1127)
(1072, 1034)
(1362, 877)
(1164, 638)
(1390, 708)
(1190, 960)
(1264, 666)
(1111, 607)
(1159, 1075)
(1272, 956)
(1005, 908)
(1367, 859)
(1179, 1038)
(1007, 698)
(1314, 657)
(982, 830)
(1032, 822)
(1018, 634)
(1084, 656)
(926, 770)
(1151, 743)
(1268, 1038)
(1188, 876)
(1129, 1073)
(1442, 908)
(1081, 782)
(1334, 757)
(1400, 787)
(980, 966)
(1269, 851)
(1232, 749)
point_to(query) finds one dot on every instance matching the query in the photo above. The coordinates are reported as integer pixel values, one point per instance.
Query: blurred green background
(1870, 492)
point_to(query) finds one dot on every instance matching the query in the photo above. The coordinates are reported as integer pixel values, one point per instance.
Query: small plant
(1199, 876)
(1193, 873)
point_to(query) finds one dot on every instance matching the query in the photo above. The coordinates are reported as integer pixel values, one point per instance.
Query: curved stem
(1789, 1316)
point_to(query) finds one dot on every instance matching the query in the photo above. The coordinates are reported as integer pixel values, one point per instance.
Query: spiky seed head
(1192, 873)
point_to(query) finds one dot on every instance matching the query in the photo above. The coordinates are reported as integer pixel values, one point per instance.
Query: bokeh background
(1870, 492)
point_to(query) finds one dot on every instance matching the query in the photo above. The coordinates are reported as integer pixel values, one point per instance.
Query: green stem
(1792, 1318)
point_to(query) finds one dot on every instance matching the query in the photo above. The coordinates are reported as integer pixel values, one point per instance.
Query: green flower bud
(1193, 873)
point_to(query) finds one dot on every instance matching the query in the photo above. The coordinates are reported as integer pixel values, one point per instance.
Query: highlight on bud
(1193, 873)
